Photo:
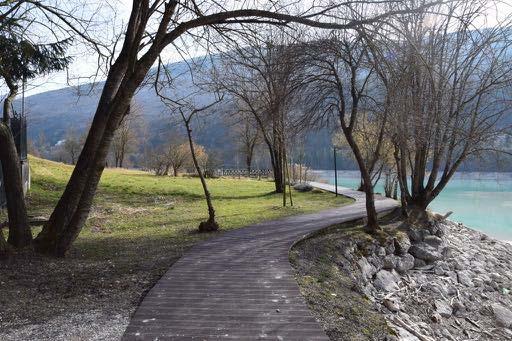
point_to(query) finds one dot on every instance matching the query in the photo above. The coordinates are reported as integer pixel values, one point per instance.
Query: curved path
(240, 285)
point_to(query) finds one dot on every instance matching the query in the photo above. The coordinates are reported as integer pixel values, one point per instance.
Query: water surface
(482, 201)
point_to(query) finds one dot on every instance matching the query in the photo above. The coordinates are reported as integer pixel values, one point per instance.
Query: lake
(480, 200)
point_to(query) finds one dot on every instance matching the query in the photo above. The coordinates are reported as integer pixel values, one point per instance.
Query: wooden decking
(240, 285)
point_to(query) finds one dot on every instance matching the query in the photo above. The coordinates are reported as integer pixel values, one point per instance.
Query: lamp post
(335, 172)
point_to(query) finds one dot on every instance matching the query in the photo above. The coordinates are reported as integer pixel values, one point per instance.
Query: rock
(503, 315)
(451, 290)
(415, 235)
(458, 308)
(464, 278)
(448, 252)
(381, 252)
(457, 264)
(377, 262)
(443, 308)
(433, 241)
(437, 230)
(391, 305)
(436, 317)
(303, 187)
(402, 244)
(385, 280)
(425, 252)
(390, 262)
(367, 270)
(419, 263)
(389, 246)
(405, 263)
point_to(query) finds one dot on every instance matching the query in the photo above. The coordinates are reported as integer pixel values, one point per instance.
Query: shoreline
(443, 281)
(444, 206)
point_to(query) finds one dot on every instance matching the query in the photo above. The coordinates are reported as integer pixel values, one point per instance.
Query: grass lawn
(139, 225)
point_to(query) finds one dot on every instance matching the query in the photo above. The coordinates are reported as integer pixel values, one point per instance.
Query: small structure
(19, 132)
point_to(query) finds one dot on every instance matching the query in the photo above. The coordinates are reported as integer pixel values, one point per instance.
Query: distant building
(19, 131)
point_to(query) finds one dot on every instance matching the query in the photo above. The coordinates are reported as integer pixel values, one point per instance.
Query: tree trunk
(73, 207)
(71, 211)
(20, 234)
(4, 247)
(210, 225)
(372, 218)
(13, 92)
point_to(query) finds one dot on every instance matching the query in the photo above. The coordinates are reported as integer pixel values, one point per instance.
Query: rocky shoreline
(440, 281)
(445, 281)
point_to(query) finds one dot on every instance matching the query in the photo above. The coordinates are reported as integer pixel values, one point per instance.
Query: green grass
(139, 226)
(138, 206)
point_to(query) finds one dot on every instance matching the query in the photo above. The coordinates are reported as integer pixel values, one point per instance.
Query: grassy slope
(138, 205)
(140, 224)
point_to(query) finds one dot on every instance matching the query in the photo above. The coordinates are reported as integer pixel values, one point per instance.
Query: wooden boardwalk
(240, 285)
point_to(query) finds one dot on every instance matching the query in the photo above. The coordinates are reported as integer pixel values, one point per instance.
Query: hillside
(54, 113)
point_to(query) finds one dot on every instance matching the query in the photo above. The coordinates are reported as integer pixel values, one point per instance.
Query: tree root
(208, 226)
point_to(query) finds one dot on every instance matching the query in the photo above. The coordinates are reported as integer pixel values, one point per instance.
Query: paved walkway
(240, 285)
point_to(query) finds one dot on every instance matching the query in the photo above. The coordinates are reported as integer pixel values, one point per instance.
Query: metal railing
(254, 173)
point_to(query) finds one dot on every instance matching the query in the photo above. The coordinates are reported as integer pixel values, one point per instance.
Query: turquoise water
(482, 201)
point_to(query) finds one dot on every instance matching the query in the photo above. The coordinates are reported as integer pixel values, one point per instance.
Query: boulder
(367, 270)
(405, 263)
(425, 252)
(419, 263)
(464, 278)
(433, 241)
(386, 280)
(389, 246)
(436, 318)
(443, 308)
(390, 262)
(437, 229)
(415, 235)
(402, 244)
(503, 315)
(303, 187)
(392, 305)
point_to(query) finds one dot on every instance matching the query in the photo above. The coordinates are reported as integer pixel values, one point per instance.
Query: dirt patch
(80, 297)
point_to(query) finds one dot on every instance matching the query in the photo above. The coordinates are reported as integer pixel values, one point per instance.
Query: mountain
(55, 113)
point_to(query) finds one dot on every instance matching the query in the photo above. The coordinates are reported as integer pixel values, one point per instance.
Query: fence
(254, 173)
(19, 133)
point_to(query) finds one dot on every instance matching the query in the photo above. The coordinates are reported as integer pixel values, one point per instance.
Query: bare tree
(126, 136)
(72, 145)
(343, 69)
(452, 82)
(188, 111)
(153, 26)
(34, 36)
(247, 137)
(178, 156)
(262, 75)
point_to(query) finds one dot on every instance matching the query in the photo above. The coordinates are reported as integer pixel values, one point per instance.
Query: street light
(335, 172)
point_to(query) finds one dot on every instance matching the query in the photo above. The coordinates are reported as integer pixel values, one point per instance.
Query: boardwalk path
(240, 285)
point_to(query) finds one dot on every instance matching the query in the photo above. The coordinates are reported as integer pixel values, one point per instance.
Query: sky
(84, 62)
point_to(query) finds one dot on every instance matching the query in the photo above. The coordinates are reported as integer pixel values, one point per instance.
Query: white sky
(84, 64)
